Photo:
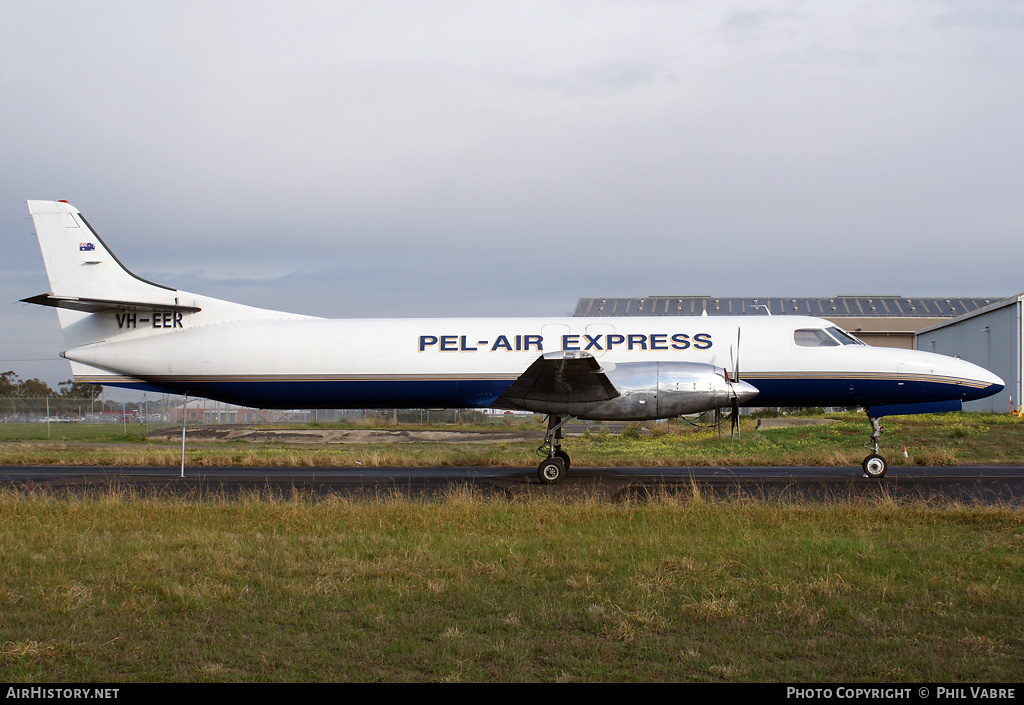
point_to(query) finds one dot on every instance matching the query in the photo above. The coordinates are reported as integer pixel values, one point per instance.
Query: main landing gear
(552, 469)
(875, 465)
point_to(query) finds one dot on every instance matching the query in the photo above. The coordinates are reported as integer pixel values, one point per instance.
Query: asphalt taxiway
(999, 485)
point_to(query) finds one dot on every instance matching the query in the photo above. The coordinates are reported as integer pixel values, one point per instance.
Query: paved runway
(984, 485)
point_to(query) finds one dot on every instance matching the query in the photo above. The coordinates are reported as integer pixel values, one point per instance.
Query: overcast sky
(506, 158)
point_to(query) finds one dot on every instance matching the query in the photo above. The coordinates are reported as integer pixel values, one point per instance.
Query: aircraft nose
(993, 382)
(987, 383)
(743, 390)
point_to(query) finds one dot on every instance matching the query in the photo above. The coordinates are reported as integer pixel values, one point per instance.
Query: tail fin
(90, 288)
(99, 301)
(84, 274)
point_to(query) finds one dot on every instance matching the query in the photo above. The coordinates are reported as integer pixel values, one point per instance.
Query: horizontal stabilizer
(99, 305)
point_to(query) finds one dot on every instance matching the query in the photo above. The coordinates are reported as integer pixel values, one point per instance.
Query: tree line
(13, 386)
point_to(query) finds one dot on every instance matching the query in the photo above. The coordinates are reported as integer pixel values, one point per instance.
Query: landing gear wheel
(551, 471)
(875, 466)
(564, 457)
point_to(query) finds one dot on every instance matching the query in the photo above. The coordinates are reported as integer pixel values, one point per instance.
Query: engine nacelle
(656, 390)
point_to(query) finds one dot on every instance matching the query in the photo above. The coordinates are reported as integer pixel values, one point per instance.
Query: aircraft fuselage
(367, 363)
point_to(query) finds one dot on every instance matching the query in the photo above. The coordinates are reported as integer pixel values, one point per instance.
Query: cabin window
(813, 338)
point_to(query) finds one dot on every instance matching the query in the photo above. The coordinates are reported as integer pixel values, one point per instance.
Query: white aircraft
(121, 330)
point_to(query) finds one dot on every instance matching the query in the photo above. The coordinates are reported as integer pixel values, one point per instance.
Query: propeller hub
(742, 392)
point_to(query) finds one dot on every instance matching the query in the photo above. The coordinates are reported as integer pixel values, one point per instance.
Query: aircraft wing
(563, 376)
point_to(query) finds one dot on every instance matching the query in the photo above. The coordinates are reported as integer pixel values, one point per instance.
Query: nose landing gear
(875, 465)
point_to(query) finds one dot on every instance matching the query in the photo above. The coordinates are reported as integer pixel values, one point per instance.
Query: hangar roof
(824, 307)
(1001, 303)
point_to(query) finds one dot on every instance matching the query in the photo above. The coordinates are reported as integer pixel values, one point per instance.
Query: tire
(875, 466)
(564, 457)
(551, 471)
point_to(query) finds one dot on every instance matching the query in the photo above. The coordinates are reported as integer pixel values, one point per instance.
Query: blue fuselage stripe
(858, 391)
(349, 394)
(479, 393)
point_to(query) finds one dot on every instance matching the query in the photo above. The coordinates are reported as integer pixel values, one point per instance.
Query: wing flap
(562, 376)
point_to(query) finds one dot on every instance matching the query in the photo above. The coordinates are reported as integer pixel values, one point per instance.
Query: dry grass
(944, 439)
(465, 588)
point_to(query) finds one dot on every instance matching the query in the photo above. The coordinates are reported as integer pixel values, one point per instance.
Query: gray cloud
(420, 159)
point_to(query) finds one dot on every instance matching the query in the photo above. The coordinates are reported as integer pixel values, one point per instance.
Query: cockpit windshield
(813, 338)
(819, 338)
(843, 337)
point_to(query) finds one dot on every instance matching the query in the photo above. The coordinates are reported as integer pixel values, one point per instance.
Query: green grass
(466, 588)
(540, 587)
(943, 439)
(76, 432)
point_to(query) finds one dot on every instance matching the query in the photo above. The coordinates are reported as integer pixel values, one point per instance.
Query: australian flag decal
(86, 246)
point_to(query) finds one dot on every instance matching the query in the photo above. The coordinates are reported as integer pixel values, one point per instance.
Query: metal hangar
(885, 320)
(990, 336)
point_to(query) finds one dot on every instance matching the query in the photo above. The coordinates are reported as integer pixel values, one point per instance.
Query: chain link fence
(168, 410)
